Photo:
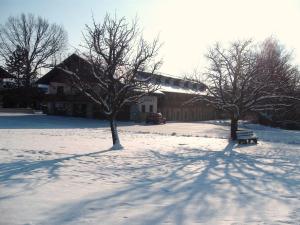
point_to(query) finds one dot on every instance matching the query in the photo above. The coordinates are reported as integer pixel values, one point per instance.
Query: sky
(186, 28)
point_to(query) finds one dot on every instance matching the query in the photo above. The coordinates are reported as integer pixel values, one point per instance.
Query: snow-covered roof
(174, 84)
(178, 89)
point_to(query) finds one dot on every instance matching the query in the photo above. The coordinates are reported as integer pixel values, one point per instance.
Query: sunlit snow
(60, 170)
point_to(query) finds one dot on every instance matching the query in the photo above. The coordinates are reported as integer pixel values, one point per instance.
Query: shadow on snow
(188, 183)
(14, 172)
(41, 121)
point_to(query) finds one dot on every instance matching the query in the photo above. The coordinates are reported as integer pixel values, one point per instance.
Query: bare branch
(40, 39)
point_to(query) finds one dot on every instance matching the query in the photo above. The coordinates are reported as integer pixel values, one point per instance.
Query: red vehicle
(155, 118)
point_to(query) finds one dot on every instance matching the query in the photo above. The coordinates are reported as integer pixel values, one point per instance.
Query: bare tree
(39, 39)
(116, 53)
(237, 82)
(274, 61)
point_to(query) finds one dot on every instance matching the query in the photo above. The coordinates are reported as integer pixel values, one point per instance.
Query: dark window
(144, 75)
(60, 90)
(176, 82)
(186, 84)
(143, 108)
(202, 88)
(158, 80)
(195, 86)
(83, 107)
(151, 108)
(167, 81)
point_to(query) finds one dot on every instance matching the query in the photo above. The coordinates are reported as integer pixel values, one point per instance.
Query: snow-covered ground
(59, 170)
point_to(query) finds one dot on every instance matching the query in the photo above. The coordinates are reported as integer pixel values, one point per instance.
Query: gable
(4, 74)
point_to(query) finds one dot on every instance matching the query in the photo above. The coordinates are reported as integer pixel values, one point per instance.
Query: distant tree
(274, 61)
(237, 82)
(116, 52)
(36, 38)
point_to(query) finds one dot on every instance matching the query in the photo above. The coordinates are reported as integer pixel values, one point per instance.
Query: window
(167, 81)
(176, 82)
(151, 108)
(186, 84)
(158, 80)
(195, 86)
(202, 87)
(144, 75)
(59, 105)
(60, 90)
(143, 108)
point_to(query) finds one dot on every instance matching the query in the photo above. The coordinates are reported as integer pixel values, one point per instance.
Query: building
(6, 79)
(170, 99)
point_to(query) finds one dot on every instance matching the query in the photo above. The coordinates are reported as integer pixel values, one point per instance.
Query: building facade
(170, 99)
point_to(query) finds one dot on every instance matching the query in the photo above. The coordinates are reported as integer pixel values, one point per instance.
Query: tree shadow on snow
(19, 172)
(196, 186)
(41, 121)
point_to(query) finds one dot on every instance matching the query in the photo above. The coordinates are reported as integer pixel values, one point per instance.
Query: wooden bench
(246, 136)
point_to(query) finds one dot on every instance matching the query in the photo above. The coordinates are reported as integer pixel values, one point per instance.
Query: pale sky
(187, 28)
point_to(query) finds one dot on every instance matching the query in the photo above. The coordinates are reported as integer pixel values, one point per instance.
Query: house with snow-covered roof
(65, 99)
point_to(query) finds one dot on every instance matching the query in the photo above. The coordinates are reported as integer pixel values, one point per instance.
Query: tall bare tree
(116, 53)
(274, 61)
(39, 39)
(237, 82)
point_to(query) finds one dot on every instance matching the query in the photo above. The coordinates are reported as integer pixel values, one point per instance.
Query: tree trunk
(114, 133)
(234, 127)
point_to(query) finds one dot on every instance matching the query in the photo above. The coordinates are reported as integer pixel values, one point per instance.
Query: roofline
(48, 74)
(165, 75)
(174, 78)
